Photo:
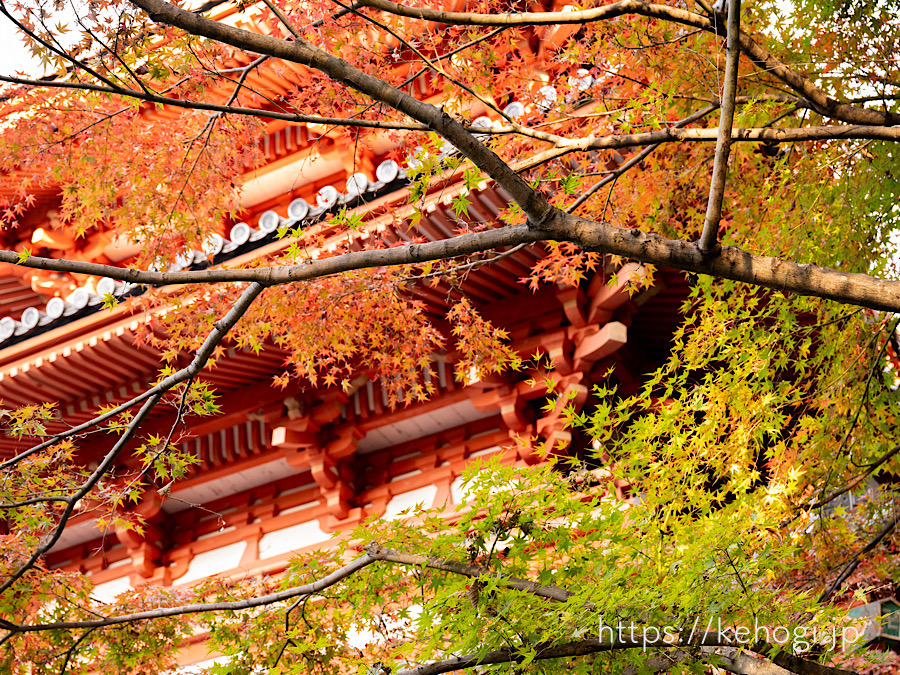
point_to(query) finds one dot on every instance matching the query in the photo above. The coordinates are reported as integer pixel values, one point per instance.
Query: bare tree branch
(259, 601)
(853, 563)
(215, 107)
(709, 235)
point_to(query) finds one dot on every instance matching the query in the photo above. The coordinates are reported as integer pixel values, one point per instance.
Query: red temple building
(281, 470)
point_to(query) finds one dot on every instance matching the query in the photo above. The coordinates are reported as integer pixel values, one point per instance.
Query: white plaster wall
(291, 538)
(213, 562)
(202, 666)
(400, 503)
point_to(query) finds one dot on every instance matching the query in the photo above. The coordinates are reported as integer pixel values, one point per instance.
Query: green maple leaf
(110, 301)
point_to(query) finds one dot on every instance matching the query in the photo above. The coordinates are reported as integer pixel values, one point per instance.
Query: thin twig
(165, 446)
(88, 485)
(112, 51)
(851, 566)
(56, 50)
(152, 396)
(215, 107)
(856, 481)
(284, 20)
(71, 650)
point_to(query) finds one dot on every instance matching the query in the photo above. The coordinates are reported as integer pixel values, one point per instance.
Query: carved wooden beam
(606, 298)
(594, 343)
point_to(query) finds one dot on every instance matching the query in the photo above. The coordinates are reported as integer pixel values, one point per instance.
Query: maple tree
(750, 148)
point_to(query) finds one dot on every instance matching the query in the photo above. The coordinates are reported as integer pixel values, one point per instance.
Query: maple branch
(595, 645)
(544, 221)
(284, 20)
(848, 132)
(460, 245)
(736, 660)
(62, 53)
(115, 54)
(245, 73)
(732, 263)
(70, 652)
(676, 135)
(467, 266)
(543, 653)
(739, 662)
(215, 107)
(864, 399)
(179, 417)
(604, 13)
(432, 64)
(854, 561)
(375, 553)
(88, 485)
(339, 70)
(672, 135)
(758, 54)
(32, 501)
(709, 235)
(73, 431)
(152, 397)
(855, 482)
(378, 552)
(234, 605)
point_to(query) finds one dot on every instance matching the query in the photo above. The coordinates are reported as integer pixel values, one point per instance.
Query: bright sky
(14, 56)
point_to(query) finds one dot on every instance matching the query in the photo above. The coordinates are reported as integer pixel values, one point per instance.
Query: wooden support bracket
(593, 346)
(143, 547)
(346, 443)
(338, 499)
(573, 301)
